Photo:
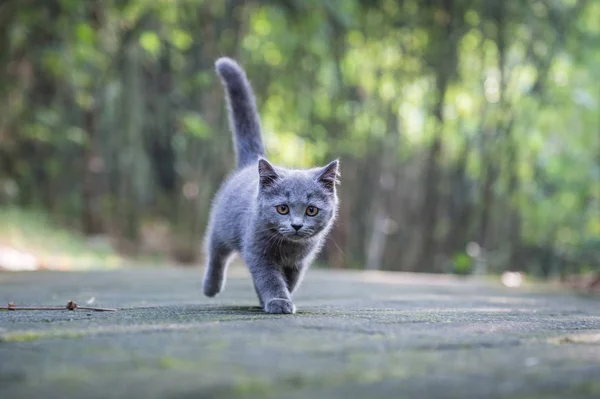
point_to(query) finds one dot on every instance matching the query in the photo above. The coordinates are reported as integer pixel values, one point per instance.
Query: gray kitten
(275, 218)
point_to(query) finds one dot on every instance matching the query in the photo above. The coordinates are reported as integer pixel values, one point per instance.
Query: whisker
(338, 247)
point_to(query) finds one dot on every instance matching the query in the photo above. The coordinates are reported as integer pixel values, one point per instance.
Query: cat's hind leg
(218, 255)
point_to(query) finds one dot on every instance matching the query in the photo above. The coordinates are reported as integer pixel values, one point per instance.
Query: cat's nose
(297, 226)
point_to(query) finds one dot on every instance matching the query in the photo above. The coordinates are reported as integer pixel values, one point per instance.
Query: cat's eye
(312, 211)
(283, 209)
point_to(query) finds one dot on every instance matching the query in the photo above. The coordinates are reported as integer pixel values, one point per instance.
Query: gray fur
(243, 117)
(244, 218)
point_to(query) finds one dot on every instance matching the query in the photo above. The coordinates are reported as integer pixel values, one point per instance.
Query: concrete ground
(356, 335)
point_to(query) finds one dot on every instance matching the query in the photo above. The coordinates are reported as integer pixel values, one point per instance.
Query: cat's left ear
(328, 175)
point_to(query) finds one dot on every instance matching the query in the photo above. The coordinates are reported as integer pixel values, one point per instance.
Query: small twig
(70, 306)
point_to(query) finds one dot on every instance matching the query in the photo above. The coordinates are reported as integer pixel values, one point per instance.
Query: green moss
(311, 313)
(254, 386)
(25, 336)
(591, 388)
(22, 337)
(577, 339)
(71, 376)
(175, 363)
(361, 372)
(168, 362)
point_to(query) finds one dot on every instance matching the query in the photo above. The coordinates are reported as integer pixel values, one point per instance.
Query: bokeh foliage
(456, 121)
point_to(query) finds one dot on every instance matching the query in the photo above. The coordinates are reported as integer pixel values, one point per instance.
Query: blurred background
(468, 130)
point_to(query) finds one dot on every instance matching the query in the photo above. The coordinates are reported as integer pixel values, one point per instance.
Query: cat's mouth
(297, 236)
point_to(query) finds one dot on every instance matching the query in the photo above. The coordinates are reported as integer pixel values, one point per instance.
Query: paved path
(357, 335)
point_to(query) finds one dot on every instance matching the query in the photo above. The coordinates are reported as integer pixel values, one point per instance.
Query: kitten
(275, 218)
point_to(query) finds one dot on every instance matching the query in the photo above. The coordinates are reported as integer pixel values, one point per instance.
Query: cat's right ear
(328, 176)
(267, 174)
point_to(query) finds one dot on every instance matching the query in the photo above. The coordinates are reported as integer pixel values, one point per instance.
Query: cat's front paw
(280, 306)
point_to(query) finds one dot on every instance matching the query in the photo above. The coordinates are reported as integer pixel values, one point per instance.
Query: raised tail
(243, 116)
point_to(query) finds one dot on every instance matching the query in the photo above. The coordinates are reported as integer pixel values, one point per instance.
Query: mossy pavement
(356, 335)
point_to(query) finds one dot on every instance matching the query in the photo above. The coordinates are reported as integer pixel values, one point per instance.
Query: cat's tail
(243, 116)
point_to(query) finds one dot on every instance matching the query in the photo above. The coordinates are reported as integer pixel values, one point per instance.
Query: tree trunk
(381, 197)
(429, 211)
(91, 191)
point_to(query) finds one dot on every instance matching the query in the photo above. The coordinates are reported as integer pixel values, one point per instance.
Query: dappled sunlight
(512, 279)
(463, 122)
(30, 240)
(14, 260)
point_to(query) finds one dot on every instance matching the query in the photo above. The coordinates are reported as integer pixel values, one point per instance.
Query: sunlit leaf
(150, 42)
(181, 39)
(194, 124)
(85, 33)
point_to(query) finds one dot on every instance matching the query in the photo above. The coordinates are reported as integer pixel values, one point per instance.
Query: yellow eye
(283, 209)
(312, 211)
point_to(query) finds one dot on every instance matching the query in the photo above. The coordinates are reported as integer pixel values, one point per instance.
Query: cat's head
(297, 204)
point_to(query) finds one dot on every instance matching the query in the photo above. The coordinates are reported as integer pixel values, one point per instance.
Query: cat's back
(233, 205)
(241, 186)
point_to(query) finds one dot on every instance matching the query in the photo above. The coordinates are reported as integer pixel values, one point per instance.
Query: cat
(276, 218)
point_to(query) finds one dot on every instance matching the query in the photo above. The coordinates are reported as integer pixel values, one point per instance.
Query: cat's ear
(328, 175)
(267, 174)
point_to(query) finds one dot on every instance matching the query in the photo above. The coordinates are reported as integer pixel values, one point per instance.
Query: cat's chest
(287, 254)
